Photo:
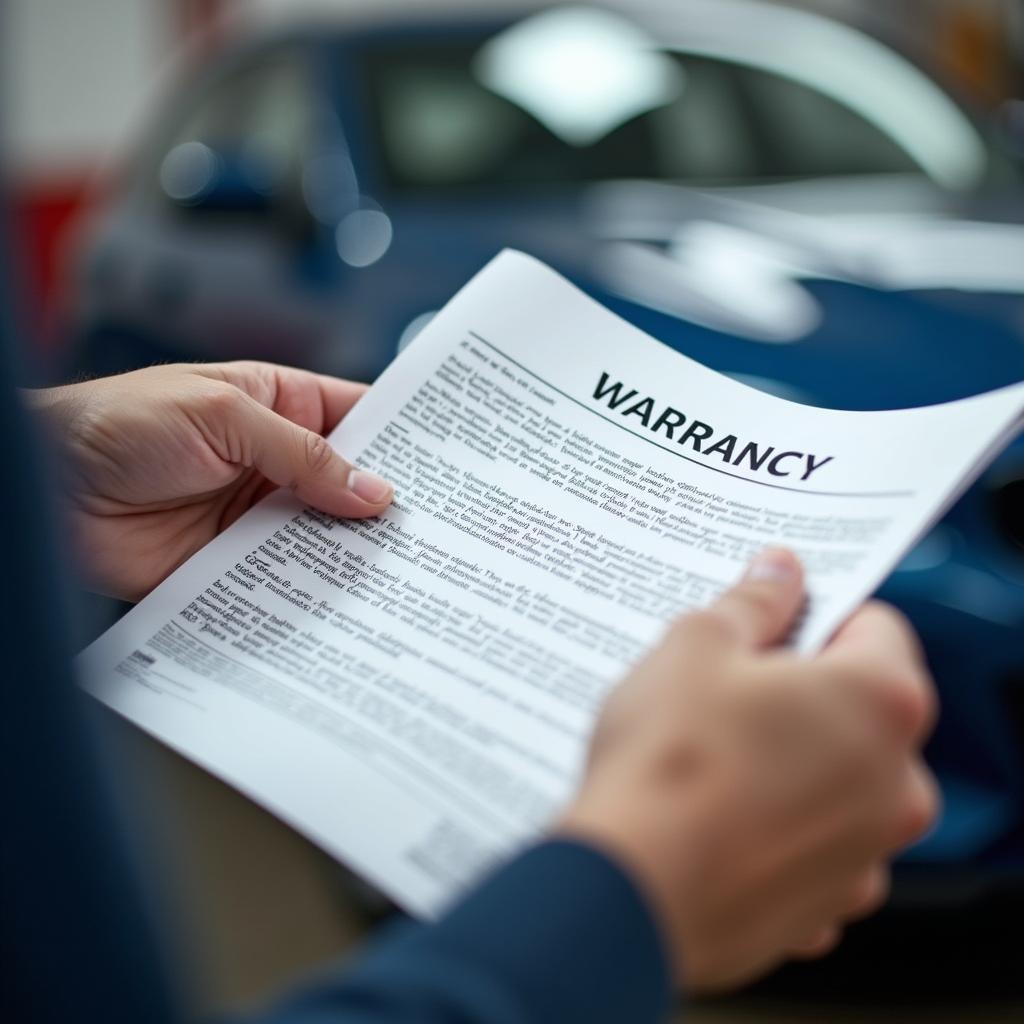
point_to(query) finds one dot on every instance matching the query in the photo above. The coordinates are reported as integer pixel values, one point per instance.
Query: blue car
(773, 193)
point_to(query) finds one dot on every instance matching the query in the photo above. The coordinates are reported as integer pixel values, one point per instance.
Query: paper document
(415, 692)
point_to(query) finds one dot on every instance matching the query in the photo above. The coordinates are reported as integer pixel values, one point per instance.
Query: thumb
(292, 456)
(762, 607)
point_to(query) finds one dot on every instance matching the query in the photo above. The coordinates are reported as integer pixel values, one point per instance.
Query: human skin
(754, 796)
(159, 461)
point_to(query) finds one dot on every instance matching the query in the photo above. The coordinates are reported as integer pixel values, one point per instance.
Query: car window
(803, 132)
(258, 118)
(437, 125)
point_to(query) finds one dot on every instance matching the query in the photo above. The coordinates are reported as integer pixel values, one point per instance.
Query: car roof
(857, 70)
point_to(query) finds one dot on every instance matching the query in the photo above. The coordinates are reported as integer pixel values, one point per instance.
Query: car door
(213, 252)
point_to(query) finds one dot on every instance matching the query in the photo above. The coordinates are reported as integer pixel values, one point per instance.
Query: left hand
(161, 460)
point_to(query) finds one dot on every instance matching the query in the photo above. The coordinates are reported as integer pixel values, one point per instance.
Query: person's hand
(756, 796)
(161, 460)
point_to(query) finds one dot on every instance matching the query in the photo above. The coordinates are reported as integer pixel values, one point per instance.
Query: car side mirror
(194, 175)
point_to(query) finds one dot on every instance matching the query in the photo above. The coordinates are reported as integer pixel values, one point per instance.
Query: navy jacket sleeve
(558, 936)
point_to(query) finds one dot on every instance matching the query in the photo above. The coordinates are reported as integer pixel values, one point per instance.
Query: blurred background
(824, 199)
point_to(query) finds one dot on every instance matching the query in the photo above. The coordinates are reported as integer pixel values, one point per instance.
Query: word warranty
(701, 437)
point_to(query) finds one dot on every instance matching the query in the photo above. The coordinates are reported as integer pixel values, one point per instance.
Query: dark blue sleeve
(559, 936)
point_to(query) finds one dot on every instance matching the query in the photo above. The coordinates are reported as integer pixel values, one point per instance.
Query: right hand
(756, 796)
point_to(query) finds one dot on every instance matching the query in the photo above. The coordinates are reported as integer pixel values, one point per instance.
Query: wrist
(56, 408)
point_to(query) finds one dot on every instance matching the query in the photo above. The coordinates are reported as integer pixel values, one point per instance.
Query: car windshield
(441, 124)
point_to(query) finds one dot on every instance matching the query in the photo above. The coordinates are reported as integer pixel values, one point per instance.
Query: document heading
(701, 437)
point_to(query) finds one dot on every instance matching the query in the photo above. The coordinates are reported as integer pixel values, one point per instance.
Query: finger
(919, 806)
(761, 608)
(879, 628)
(338, 397)
(878, 648)
(823, 941)
(313, 400)
(292, 456)
(870, 892)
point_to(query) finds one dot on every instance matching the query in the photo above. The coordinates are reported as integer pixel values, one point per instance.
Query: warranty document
(415, 692)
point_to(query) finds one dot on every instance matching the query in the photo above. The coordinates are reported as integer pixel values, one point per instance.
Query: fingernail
(368, 486)
(773, 565)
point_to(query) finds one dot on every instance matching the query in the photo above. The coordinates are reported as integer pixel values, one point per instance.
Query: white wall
(75, 73)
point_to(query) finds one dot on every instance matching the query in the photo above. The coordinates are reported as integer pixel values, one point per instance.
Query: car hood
(848, 294)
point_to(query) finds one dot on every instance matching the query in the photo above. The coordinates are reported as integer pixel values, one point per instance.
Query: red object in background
(976, 49)
(203, 23)
(42, 212)
(44, 208)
